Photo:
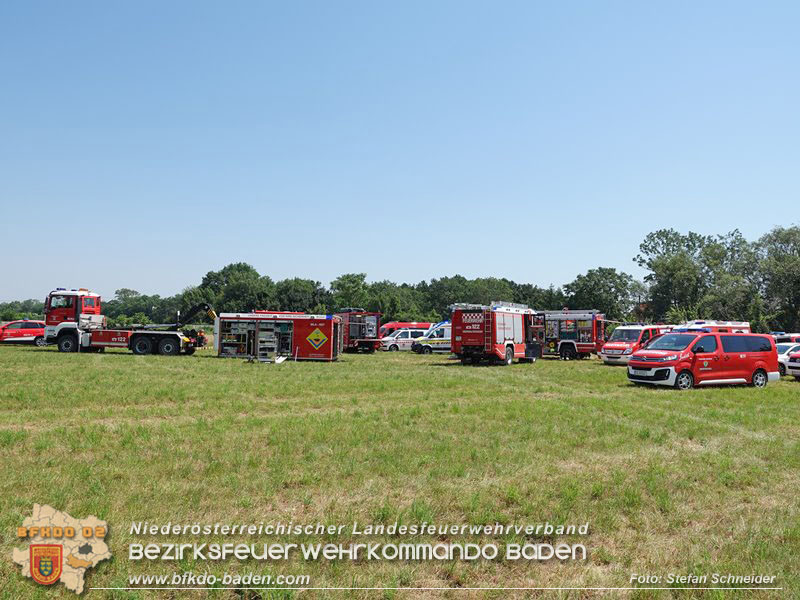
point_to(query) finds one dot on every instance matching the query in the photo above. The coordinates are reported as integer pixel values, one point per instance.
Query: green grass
(670, 482)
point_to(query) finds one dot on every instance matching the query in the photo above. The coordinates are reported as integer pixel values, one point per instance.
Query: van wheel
(169, 347)
(142, 345)
(67, 343)
(509, 356)
(427, 350)
(393, 348)
(39, 341)
(782, 369)
(759, 379)
(684, 380)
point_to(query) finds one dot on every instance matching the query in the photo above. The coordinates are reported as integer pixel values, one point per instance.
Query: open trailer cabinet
(360, 330)
(274, 336)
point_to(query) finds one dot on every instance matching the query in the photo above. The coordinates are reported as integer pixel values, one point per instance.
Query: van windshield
(624, 335)
(672, 341)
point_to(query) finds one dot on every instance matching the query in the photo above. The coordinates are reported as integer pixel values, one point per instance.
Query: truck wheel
(169, 346)
(781, 368)
(427, 349)
(142, 345)
(509, 356)
(465, 361)
(684, 380)
(759, 379)
(190, 350)
(68, 343)
(39, 341)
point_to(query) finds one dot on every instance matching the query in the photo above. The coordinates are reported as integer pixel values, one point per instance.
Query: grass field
(670, 482)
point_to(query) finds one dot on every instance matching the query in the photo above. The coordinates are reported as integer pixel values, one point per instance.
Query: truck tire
(427, 350)
(509, 359)
(781, 369)
(169, 346)
(190, 350)
(39, 341)
(68, 343)
(142, 345)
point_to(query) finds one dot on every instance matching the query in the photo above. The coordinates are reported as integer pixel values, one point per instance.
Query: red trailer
(499, 332)
(573, 334)
(360, 329)
(274, 336)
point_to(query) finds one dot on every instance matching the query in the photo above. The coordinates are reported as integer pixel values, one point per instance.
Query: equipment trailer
(74, 322)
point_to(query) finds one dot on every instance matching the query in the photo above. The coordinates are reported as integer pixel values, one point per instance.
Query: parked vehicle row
(695, 353)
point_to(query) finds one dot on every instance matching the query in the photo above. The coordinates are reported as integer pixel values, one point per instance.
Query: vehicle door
(16, 332)
(706, 363)
(734, 356)
(31, 331)
(11, 332)
(644, 339)
(61, 308)
(403, 339)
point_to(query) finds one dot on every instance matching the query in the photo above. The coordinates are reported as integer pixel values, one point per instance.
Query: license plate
(639, 372)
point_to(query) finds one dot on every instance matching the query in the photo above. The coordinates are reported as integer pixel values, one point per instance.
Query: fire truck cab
(572, 334)
(499, 332)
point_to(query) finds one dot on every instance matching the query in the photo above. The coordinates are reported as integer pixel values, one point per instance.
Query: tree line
(688, 276)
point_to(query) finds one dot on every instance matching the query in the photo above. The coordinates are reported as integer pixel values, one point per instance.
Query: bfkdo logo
(60, 548)
(46, 562)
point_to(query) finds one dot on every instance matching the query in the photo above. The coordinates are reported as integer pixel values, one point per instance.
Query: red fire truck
(572, 334)
(74, 322)
(360, 329)
(501, 331)
(275, 336)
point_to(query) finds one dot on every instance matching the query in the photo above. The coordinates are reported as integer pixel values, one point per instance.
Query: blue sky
(143, 144)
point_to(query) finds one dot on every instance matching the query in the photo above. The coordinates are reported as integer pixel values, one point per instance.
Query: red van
(683, 359)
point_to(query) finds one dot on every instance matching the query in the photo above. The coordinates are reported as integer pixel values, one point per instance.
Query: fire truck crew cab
(626, 340)
(685, 358)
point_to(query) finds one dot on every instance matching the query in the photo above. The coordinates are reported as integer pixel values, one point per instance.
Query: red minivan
(683, 359)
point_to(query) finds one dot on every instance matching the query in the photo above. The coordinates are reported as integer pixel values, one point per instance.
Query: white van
(401, 339)
(437, 339)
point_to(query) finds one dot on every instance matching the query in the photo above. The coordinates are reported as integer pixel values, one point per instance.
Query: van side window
(735, 343)
(708, 342)
(758, 343)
